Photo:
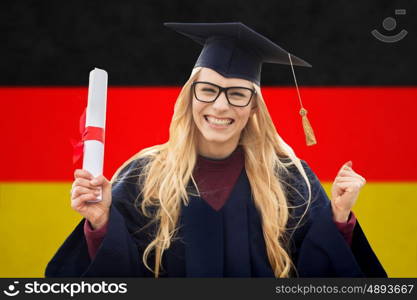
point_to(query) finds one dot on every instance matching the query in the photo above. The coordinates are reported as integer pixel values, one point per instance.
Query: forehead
(210, 75)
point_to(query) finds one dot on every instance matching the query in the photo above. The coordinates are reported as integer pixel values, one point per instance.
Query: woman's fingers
(352, 181)
(84, 192)
(345, 185)
(94, 186)
(348, 187)
(82, 186)
(80, 173)
(346, 169)
(99, 181)
(80, 190)
(349, 178)
(80, 201)
(349, 172)
(82, 182)
(345, 166)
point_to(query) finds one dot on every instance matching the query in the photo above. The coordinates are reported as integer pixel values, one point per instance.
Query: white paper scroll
(95, 116)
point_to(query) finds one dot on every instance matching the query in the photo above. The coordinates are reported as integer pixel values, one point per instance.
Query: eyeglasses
(209, 92)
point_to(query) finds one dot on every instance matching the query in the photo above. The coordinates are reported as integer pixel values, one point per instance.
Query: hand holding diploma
(85, 189)
(91, 191)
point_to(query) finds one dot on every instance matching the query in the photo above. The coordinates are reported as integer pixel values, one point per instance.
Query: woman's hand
(86, 188)
(345, 191)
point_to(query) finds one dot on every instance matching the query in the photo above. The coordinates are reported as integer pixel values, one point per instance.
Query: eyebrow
(225, 86)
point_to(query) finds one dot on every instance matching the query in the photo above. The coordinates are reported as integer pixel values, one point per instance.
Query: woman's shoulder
(291, 168)
(132, 168)
(128, 180)
(293, 177)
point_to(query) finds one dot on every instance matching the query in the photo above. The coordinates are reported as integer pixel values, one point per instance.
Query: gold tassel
(308, 130)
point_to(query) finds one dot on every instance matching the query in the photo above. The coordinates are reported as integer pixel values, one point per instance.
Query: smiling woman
(225, 196)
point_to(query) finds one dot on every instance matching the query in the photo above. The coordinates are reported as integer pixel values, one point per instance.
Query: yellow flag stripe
(35, 218)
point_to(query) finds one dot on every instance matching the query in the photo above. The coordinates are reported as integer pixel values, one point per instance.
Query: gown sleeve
(120, 252)
(94, 237)
(346, 228)
(319, 248)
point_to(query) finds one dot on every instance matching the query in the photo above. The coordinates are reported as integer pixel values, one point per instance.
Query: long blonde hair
(170, 170)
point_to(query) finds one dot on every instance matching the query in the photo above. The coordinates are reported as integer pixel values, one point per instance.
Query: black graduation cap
(235, 50)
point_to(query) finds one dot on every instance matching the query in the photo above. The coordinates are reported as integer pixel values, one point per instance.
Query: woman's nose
(221, 102)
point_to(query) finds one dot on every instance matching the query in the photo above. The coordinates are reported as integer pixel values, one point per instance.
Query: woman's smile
(217, 122)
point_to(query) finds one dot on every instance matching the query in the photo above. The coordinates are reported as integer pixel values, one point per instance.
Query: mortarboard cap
(234, 50)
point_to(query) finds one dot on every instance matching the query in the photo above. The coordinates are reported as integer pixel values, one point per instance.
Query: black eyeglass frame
(223, 89)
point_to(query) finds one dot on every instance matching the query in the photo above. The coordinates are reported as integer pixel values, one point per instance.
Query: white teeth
(219, 121)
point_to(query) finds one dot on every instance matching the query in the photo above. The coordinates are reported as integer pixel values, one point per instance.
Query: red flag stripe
(374, 127)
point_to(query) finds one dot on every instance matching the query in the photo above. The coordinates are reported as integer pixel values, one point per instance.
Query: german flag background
(361, 95)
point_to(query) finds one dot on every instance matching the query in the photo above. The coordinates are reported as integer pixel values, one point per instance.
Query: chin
(215, 138)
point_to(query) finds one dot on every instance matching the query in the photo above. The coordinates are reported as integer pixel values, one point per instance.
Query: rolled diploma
(96, 116)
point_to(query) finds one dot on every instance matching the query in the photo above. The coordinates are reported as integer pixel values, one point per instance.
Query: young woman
(224, 196)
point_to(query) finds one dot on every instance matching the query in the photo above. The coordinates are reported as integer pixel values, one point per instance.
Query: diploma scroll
(96, 119)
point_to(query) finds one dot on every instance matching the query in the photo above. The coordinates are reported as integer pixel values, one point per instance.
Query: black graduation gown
(224, 243)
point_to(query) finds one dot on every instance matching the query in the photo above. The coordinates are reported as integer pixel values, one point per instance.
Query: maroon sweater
(215, 180)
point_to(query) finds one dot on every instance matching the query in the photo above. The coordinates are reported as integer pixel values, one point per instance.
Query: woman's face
(219, 123)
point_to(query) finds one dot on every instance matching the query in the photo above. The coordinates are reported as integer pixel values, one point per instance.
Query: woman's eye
(207, 90)
(237, 94)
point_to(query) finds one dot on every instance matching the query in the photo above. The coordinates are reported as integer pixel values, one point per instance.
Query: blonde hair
(170, 170)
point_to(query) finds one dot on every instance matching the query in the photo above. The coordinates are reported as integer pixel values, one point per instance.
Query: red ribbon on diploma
(87, 133)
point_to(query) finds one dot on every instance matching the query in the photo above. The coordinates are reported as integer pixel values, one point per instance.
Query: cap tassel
(308, 130)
